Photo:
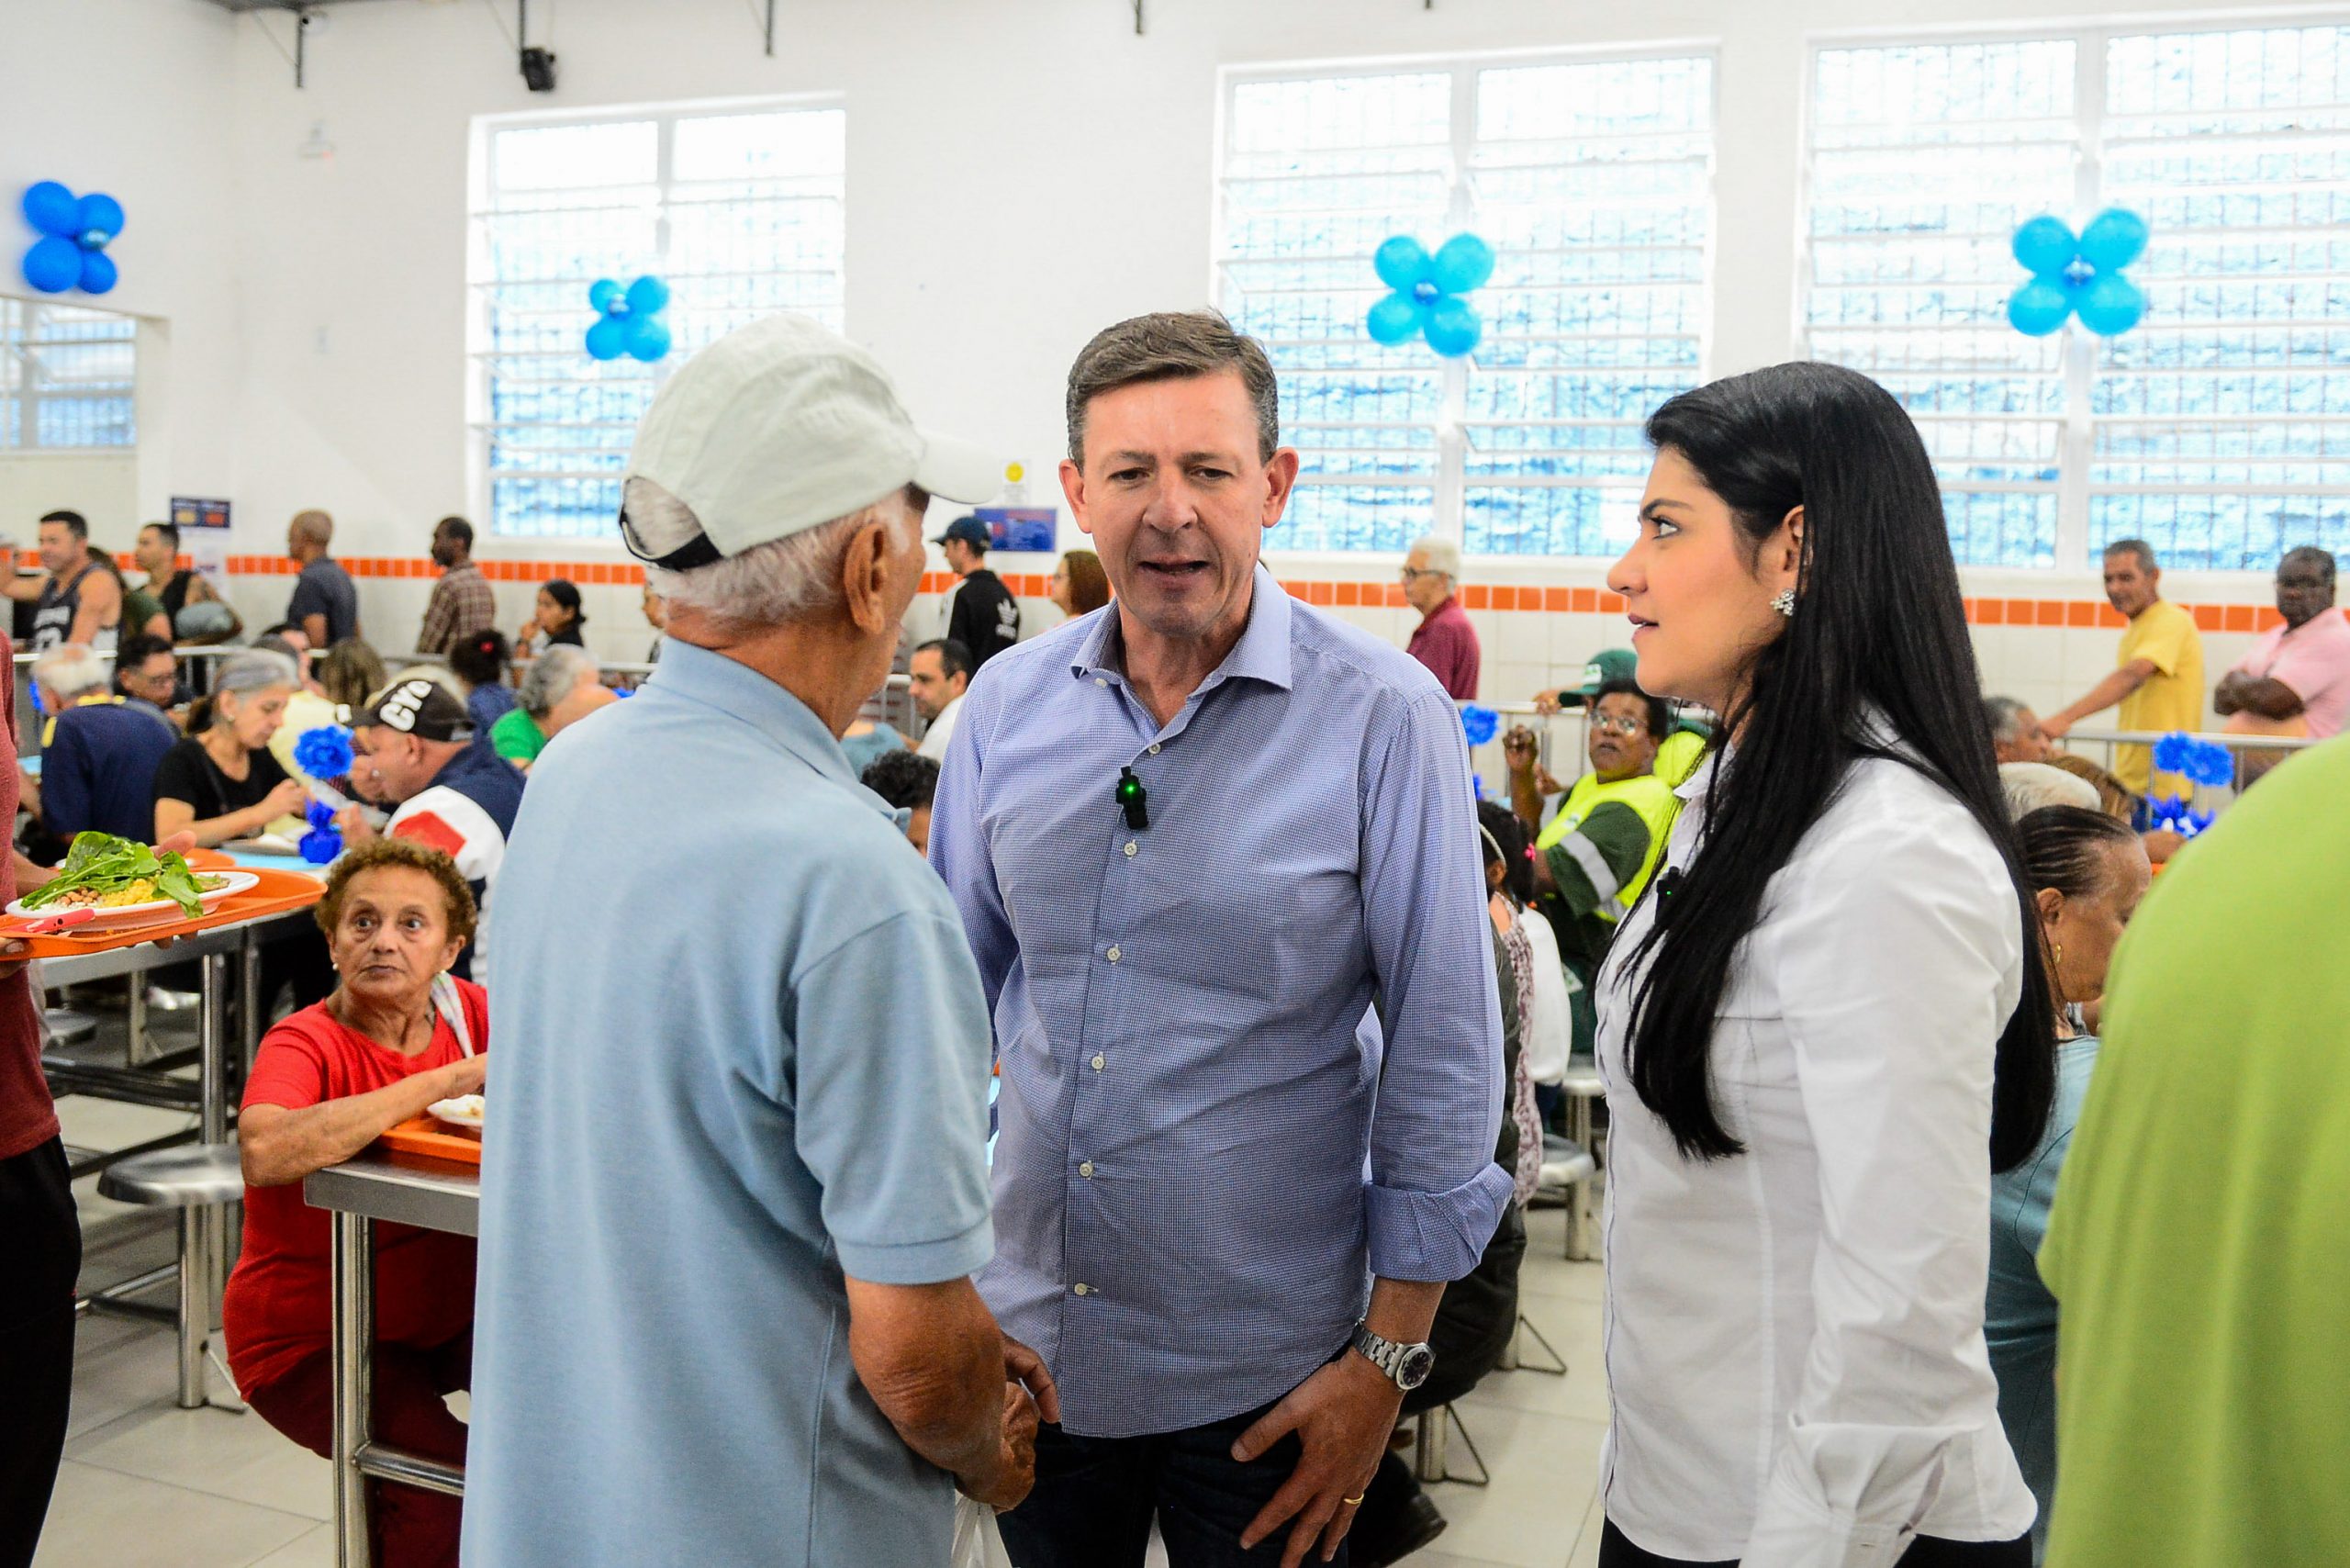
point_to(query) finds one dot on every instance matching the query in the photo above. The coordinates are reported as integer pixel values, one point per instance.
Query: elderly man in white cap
(734, 1179)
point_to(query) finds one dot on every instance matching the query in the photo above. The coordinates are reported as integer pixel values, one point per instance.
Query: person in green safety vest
(1593, 858)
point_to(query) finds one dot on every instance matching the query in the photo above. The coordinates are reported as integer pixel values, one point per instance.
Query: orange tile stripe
(2079, 613)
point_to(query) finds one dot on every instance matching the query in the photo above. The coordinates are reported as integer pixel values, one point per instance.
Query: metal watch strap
(1386, 1355)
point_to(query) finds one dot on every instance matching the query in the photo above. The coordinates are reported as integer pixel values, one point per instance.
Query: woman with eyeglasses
(1827, 1024)
(1593, 858)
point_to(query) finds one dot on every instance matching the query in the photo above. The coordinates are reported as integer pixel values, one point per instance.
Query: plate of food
(461, 1112)
(108, 884)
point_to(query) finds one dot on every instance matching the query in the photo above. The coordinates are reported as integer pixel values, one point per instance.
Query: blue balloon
(2111, 304)
(51, 207)
(608, 339)
(1395, 320)
(601, 294)
(1453, 327)
(2039, 307)
(53, 265)
(98, 219)
(2045, 247)
(97, 271)
(1463, 262)
(648, 339)
(647, 294)
(2113, 240)
(1402, 261)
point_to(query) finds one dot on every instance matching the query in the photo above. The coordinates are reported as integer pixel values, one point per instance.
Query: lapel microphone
(1133, 799)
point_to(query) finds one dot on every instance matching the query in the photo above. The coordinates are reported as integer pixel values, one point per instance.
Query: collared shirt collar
(1694, 786)
(698, 675)
(1451, 606)
(1262, 654)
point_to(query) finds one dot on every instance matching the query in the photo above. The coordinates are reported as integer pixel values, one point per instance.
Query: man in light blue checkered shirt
(1227, 1198)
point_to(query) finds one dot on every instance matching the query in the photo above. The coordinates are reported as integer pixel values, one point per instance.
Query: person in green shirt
(1593, 858)
(2199, 1246)
(561, 688)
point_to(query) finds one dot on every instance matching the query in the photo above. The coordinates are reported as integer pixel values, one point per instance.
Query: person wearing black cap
(414, 748)
(984, 616)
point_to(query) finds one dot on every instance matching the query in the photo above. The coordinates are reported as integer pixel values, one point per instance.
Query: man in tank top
(80, 599)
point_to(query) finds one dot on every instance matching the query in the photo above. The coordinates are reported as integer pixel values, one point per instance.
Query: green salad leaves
(103, 864)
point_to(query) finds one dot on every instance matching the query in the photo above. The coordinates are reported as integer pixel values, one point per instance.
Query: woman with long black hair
(1827, 1023)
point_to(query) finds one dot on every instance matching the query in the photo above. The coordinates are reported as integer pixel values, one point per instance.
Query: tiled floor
(146, 1484)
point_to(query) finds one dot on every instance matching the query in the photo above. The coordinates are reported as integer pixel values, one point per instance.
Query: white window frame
(1450, 479)
(2076, 450)
(478, 353)
(30, 395)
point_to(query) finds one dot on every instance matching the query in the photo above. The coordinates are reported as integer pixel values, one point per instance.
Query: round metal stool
(200, 1181)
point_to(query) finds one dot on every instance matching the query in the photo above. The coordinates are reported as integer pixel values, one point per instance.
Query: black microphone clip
(1133, 799)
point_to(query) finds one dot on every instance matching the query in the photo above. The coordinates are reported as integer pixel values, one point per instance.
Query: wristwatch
(1407, 1365)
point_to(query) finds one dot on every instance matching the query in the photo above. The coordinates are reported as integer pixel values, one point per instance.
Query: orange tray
(276, 892)
(422, 1135)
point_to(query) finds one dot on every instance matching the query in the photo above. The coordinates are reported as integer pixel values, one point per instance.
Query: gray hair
(552, 677)
(71, 671)
(2137, 547)
(1167, 346)
(783, 580)
(2031, 785)
(256, 669)
(1444, 555)
(2006, 716)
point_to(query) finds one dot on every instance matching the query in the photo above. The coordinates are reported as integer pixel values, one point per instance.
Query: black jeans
(1926, 1552)
(1095, 1498)
(40, 1254)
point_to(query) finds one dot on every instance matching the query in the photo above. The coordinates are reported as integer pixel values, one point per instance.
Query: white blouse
(1795, 1335)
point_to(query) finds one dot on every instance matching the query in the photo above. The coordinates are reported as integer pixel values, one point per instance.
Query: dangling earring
(2060, 955)
(1784, 602)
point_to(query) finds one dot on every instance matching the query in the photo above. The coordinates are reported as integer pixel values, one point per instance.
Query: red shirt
(278, 1310)
(1447, 643)
(28, 1117)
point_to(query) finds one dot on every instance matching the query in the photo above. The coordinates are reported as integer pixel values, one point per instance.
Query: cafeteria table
(429, 1195)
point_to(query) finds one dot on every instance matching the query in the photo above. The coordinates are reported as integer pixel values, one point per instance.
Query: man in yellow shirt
(2159, 682)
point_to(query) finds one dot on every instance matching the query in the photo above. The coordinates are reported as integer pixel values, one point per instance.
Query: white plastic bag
(978, 1544)
(1552, 1035)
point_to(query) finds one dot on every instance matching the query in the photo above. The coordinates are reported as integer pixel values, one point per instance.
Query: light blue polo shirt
(738, 1048)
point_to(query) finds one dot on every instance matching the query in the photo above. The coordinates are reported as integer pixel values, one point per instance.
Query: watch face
(1417, 1362)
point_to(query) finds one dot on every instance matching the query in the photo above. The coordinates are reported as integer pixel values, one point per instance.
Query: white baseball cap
(779, 427)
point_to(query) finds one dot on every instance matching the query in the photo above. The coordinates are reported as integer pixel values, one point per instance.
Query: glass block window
(1924, 158)
(69, 377)
(1592, 180)
(740, 212)
(2222, 423)
(2218, 428)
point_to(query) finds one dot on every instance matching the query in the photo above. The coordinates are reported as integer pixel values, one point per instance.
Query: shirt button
(1098, 1061)
(1130, 849)
(1112, 954)
(1154, 748)
(1086, 1170)
(1098, 681)
(1084, 1289)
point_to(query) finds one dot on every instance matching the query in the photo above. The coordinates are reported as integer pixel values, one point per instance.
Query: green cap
(1608, 663)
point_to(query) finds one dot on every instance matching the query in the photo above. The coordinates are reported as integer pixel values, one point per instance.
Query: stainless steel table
(426, 1193)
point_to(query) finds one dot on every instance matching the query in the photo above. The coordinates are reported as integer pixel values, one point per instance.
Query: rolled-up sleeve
(1896, 963)
(1434, 1193)
(890, 1100)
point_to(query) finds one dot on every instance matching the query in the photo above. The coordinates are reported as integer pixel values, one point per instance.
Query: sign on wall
(1025, 529)
(204, 536)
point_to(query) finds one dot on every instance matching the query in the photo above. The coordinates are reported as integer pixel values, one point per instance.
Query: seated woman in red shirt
(398, 1034)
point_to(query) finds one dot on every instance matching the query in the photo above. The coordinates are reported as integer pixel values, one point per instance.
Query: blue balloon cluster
(323, 842)
(2202, 761)
(324, 752)
(74, 233)
(1426, 302)
(1480, 724)
(2078, 276)
(2173, 812)
(629, 320)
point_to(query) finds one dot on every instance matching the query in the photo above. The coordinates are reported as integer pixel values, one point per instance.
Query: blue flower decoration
(323, 842)
(71, 251)
(2173, 812)
(2202, 761)
(630, 320)
(1480, 724)
(2079, 276)
(2170, 752)
(1426, 302)
(320, 816)
(324, 753)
